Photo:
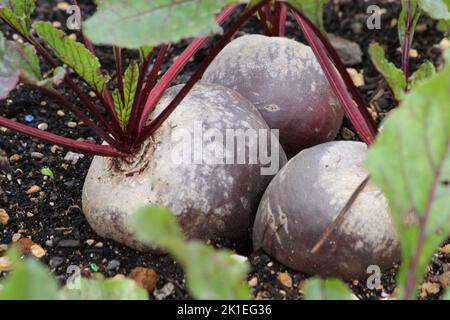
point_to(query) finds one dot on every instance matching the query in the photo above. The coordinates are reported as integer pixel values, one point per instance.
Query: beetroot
(284, 80)
(210, 200)
(303, 200)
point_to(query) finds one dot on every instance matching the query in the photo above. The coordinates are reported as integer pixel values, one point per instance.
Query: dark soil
(54, 215)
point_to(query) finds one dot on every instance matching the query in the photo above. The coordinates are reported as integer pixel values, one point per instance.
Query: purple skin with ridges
(284, 80)
(303, 200)
(210, 200)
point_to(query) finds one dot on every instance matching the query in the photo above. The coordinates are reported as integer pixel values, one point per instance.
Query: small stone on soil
(43, 126)
(357, 77)
(69, 243)
(445, 249)
(444, 280)
(113, 265)
(5, 265)
(144, 277)
(347, 134)
(99, 245)
(34, 189)
(73, 157)
(350, 52)
(37, 156)
(285, 279)
(49, 243)
(37, 251)
(164, 292)
(55, 262)
(25, 245)
(444, 44)
(429, 288)
(15, 157)
(4, 217)
(16, 237)
(253, 282)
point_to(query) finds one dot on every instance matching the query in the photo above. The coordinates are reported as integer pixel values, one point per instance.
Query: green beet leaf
(329, 289)
(410, 162)
(313, 9)
(125, 106)
(138, 23)
(415, 13)
(425, 71)
(211, 274)
(437, 9)
(74, 54)
(104, 289)
(18, 62)
(393, 75)
(17, 13)
(29, 280)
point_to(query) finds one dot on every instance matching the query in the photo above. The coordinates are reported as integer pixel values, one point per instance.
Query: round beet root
(182, 167)
(303, 200)
(284, 80)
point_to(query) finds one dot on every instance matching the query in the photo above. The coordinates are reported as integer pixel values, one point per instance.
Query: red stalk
(113, 128)
(279, 23)
(268, 11)
(406, 44)
(143, 95)
(77, 112)
(104, 97)
(264, 22)
(156, 123)
(176, 68)
(353, 105)
(49, 59)
(70, 144)
(154, 73)
(143, 68)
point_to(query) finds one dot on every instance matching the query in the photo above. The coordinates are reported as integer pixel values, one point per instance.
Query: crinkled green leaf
(105, 289)
(329, 289)
(74, 54)
(410, 162)
(18, 62)
(157, 225)
(425, 71)
(211, 274)
(138, 23)
(21, 8)
(29, 280)
(313, 9)
(437, 9)
(130, 81)
(17, 13)
(214, 274)
(393, 75)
